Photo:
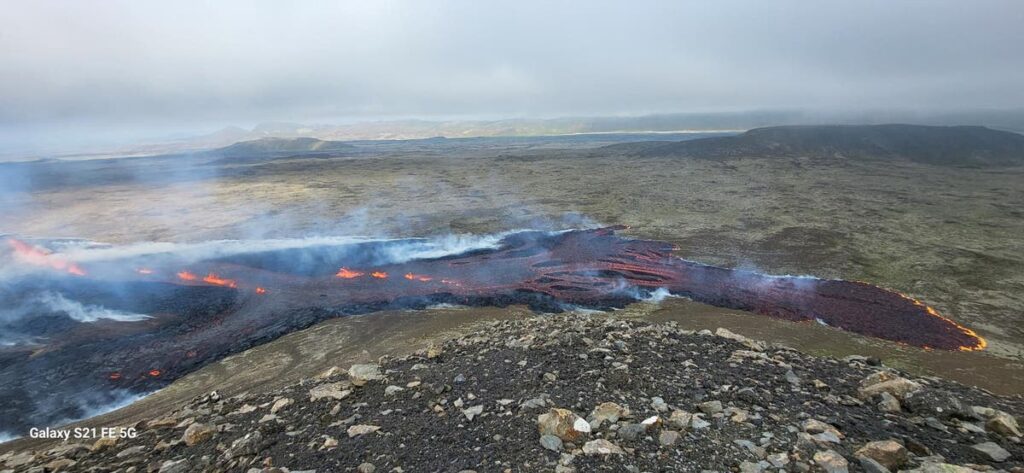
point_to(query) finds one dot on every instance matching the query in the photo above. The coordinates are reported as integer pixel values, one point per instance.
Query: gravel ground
(582, 393)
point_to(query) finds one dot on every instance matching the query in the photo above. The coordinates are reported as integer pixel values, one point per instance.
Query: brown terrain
(945, 235)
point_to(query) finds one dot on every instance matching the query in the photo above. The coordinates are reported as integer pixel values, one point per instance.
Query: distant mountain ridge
(941, 145)
(269, 147)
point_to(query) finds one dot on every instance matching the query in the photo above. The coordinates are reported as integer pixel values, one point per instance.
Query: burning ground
(133, 323)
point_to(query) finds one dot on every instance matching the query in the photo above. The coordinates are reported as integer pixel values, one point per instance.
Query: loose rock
(359, 375)
(280, 404)
(198, 433)
(668, 438)
(889, 453)
(607, 411)
(551, 442)
(993, 451)
(561, 423)
(335, 391)
(601, 447)
(1003, 424)
(831, 461)
(362, 429)
(886, 382)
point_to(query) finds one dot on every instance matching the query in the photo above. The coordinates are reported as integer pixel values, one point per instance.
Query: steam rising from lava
(214, 299)
(56, 302)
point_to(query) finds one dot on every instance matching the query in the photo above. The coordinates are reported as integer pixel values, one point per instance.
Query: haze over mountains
(1012, 120)
(281, 147)
(953, 145)
(936, 145)
(735, 121)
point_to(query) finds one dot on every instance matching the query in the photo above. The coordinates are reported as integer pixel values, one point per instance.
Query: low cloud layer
(196, 65)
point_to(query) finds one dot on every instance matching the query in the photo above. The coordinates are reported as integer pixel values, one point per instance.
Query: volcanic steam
(199, 310)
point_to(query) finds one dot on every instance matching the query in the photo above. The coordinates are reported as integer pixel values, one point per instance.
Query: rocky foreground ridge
(577, 393)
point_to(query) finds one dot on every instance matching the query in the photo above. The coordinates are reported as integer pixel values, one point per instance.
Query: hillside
(516, 397)
(273, 147)
(941, 145)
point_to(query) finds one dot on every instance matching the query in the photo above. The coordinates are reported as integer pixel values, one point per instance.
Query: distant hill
(277, 147)
(941, 145)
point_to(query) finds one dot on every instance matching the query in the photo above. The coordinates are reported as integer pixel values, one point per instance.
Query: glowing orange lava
(187, 276)
(417, 277)
(154, 373)
(37, 256)
(980, 342)
(260, 290)
(346, 273)
(114, 376)
(219, 281)
(379, 274)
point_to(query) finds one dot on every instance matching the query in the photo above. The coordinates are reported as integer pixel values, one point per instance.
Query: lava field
(197, 312)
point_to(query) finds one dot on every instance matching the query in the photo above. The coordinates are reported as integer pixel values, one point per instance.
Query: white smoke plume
(49, 302)
(56, 302)
(84, 252)
(658, 295)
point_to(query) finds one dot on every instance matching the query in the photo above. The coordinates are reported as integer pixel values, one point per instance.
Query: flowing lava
(219, 281)
(214, 317)
(36, 256)
(346, 273)
(981, 342)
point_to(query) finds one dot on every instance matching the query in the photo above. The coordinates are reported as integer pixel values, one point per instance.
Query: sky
(70, 69)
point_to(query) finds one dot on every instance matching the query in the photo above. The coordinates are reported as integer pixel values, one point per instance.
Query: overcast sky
(180, 65)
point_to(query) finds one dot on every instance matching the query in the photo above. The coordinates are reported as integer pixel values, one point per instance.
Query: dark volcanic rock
(418, 428)
(263, 300)
(942, 145)
(266, 148)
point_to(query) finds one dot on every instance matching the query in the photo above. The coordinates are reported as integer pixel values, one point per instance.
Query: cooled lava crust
(215, 308)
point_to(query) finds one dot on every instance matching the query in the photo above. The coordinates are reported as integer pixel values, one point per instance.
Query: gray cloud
(189, 65)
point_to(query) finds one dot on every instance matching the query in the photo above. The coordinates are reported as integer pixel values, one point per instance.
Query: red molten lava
(981, 342)
(261, 291)
(544, 271)
(346, 273)
(37, 256)
(219, 281)
(114, 376)
(596, 268)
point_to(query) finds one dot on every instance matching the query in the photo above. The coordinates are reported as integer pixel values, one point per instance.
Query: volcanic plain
(946, 235)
